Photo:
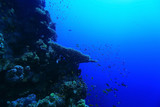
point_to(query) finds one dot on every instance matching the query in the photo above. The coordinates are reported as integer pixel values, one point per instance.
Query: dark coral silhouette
(34, 70)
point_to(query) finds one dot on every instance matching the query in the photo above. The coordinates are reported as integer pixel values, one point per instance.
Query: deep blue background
(121, 34)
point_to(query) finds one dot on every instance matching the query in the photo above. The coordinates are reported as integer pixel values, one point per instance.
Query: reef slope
(35, 71)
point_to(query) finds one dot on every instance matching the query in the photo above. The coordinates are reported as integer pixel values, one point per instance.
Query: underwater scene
(79, 53)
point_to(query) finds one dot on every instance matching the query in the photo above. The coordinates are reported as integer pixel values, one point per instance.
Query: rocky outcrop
(34, 70)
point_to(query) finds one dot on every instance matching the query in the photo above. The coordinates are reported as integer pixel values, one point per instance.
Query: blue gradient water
(124, 36)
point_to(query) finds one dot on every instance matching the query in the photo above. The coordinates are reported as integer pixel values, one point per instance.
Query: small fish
(99, 64)
(123, 84)
(109, 90)
(109, 66)
(93, 86)
(105, 92)
(124, 69)
(115, 95)
(80, 83)
(91, 105)
(107, 84)
(85, 49)
(92, 78)
(70, 30)
(118, 102)
(115, 89)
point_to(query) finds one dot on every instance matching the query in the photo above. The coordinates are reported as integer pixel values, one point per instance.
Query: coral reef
(16, 74)
(81, 103)
(34, 70)
(23, 102)
(1, 45)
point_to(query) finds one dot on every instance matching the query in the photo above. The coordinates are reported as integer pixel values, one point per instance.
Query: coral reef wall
(34, 70)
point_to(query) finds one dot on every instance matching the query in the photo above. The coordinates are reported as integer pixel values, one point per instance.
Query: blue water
(124, 36)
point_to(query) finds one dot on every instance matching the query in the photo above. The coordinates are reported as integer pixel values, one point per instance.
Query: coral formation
(23, 102)
(34, 70)
(81, 103)
(16, 74)
(1, 44)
